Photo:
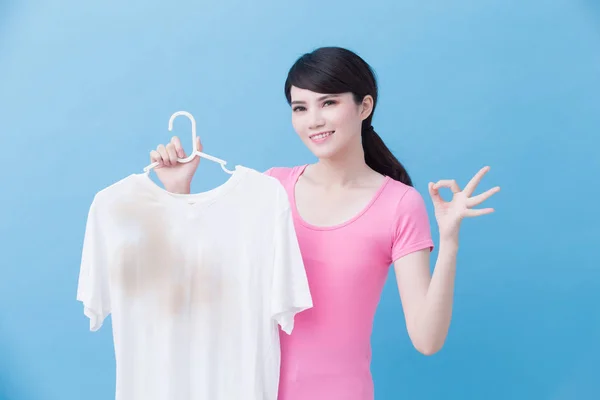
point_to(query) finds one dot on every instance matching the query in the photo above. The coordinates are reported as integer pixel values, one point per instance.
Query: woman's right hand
(176, 177)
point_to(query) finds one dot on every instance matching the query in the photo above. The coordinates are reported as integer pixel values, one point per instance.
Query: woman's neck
(347, 169)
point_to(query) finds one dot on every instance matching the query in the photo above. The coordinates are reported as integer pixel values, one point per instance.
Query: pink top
(328, 355)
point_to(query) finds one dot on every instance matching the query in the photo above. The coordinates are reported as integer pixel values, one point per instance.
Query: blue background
(86, 91)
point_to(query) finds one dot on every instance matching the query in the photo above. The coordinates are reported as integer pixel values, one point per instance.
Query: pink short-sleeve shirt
(328, 355)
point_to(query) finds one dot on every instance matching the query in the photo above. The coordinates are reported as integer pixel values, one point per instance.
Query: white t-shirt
(197, 286)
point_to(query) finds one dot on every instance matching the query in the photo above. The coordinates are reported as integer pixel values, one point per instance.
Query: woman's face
(328, 124)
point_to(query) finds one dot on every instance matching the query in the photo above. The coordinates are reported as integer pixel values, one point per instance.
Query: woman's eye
(329, 102)
(299, 108)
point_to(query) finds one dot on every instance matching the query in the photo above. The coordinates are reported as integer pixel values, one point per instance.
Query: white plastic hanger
(195, 151)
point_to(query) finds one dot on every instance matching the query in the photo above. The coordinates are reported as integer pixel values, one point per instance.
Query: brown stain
(154, 261)
(206, 279)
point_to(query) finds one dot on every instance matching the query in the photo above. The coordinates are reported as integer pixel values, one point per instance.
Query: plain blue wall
(86, 91)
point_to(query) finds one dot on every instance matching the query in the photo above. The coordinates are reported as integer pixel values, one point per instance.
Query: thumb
(196, 159)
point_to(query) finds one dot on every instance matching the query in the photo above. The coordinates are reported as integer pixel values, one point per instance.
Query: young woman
(355, 213)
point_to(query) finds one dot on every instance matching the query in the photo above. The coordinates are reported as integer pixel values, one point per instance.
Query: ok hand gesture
(449, 214)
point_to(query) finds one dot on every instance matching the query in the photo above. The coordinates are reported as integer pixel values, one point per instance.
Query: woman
(355, 213)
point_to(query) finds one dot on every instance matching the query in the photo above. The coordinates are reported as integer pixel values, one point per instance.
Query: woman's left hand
(449, 214)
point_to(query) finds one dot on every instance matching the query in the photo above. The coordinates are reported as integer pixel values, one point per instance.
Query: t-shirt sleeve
(411, 229)
(290, 290)
(93, 289)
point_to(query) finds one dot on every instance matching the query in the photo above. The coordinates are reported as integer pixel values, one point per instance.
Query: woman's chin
(324, 153)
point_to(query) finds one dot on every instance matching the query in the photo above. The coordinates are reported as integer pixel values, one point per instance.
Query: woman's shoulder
(398, 190)
(402, 198)
(284, 174)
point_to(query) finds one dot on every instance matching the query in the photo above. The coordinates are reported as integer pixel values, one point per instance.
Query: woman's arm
(427, 301)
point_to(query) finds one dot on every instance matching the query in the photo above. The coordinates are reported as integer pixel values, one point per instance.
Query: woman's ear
(366, 107)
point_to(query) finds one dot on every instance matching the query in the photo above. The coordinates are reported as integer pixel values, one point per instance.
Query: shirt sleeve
(93, 288)
(290, 289)
(411, 229)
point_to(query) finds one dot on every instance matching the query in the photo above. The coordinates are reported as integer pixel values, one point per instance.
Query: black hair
(335, 70)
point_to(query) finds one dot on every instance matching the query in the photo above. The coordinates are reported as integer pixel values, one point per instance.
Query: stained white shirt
(197, 286)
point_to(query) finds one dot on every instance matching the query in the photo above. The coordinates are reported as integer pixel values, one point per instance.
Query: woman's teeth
(322, 136)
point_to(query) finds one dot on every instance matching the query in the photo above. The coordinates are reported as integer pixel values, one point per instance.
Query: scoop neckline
(349, 221)
(198, 200)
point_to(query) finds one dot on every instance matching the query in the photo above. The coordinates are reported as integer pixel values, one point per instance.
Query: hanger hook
(194, 141)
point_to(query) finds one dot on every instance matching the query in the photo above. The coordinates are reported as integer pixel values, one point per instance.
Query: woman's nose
(316, 120)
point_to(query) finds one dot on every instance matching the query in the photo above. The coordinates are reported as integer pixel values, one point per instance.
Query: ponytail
(379, 158)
